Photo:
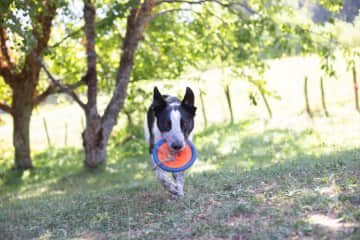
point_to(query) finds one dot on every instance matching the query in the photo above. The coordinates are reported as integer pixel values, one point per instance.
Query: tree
(245, 40)
(98, 127)
(21, 74)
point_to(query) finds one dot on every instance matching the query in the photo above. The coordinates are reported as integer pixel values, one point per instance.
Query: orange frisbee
(171, 161)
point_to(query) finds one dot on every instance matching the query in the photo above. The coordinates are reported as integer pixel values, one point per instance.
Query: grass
(251, 181)
(285, 178)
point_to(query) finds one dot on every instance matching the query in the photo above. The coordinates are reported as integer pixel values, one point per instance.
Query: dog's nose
(176, 146)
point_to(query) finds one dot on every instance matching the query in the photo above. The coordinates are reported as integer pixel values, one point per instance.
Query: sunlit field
(65, 121)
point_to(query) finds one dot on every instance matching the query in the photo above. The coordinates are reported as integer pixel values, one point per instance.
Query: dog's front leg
(180, 179)
(167, 182)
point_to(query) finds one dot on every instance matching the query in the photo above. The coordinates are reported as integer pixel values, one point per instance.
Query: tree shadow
(61, 171)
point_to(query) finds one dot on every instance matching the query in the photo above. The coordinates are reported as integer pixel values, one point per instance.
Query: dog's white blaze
(175, 134)
(175, 104)
(175, 121)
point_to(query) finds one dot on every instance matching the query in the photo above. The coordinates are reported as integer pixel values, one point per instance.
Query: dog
(173, 120)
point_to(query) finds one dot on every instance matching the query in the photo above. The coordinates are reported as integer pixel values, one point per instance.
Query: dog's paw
(177, 196)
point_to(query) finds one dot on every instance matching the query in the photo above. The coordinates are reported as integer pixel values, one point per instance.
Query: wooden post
(307, 103)
(47, 132)
(323, 97)
(356, 86)
(268, 108)
(203, 110)
(66, 135)
(228, 99)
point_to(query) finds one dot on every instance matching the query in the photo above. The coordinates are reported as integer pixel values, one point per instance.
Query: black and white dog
(173, 120)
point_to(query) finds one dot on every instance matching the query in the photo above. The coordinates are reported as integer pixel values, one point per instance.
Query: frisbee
(171, 161)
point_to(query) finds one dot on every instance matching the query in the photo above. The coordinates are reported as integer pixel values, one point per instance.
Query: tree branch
(170, 11)
(136, 23)
(182, 1)
(198, 2)
(66, 37)
(91, 76)
(52, 89)
(63, 88)
(41, 97)
(239, 6)
(6, 108)
(41, 32)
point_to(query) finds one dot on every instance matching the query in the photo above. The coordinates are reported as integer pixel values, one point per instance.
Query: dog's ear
(188, 101)
(158, 100)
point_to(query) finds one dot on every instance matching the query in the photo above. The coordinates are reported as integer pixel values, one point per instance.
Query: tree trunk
(21, 110)
(93, 141)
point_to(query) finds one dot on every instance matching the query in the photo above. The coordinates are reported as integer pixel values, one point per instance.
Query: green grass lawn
(253, 180)
(285, 178)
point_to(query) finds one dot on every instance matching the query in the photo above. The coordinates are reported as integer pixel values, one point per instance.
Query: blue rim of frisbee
(169, 169)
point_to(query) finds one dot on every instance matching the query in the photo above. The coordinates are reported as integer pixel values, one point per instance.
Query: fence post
(356, 86)
(323, 96)
(306, 94)
(66, 134)
(46, 132)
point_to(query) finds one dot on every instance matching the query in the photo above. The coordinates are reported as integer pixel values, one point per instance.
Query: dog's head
(174, 118)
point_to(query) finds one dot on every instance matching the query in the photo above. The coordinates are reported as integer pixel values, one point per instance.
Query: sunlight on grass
(203, 166)
(38, 192)
(329, 222)
(331, 191)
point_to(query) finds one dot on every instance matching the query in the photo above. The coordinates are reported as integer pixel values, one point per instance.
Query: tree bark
(22, 106)
(95, 149)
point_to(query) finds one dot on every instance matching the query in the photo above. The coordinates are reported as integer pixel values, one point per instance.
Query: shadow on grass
(264, 203)
(62, 170)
